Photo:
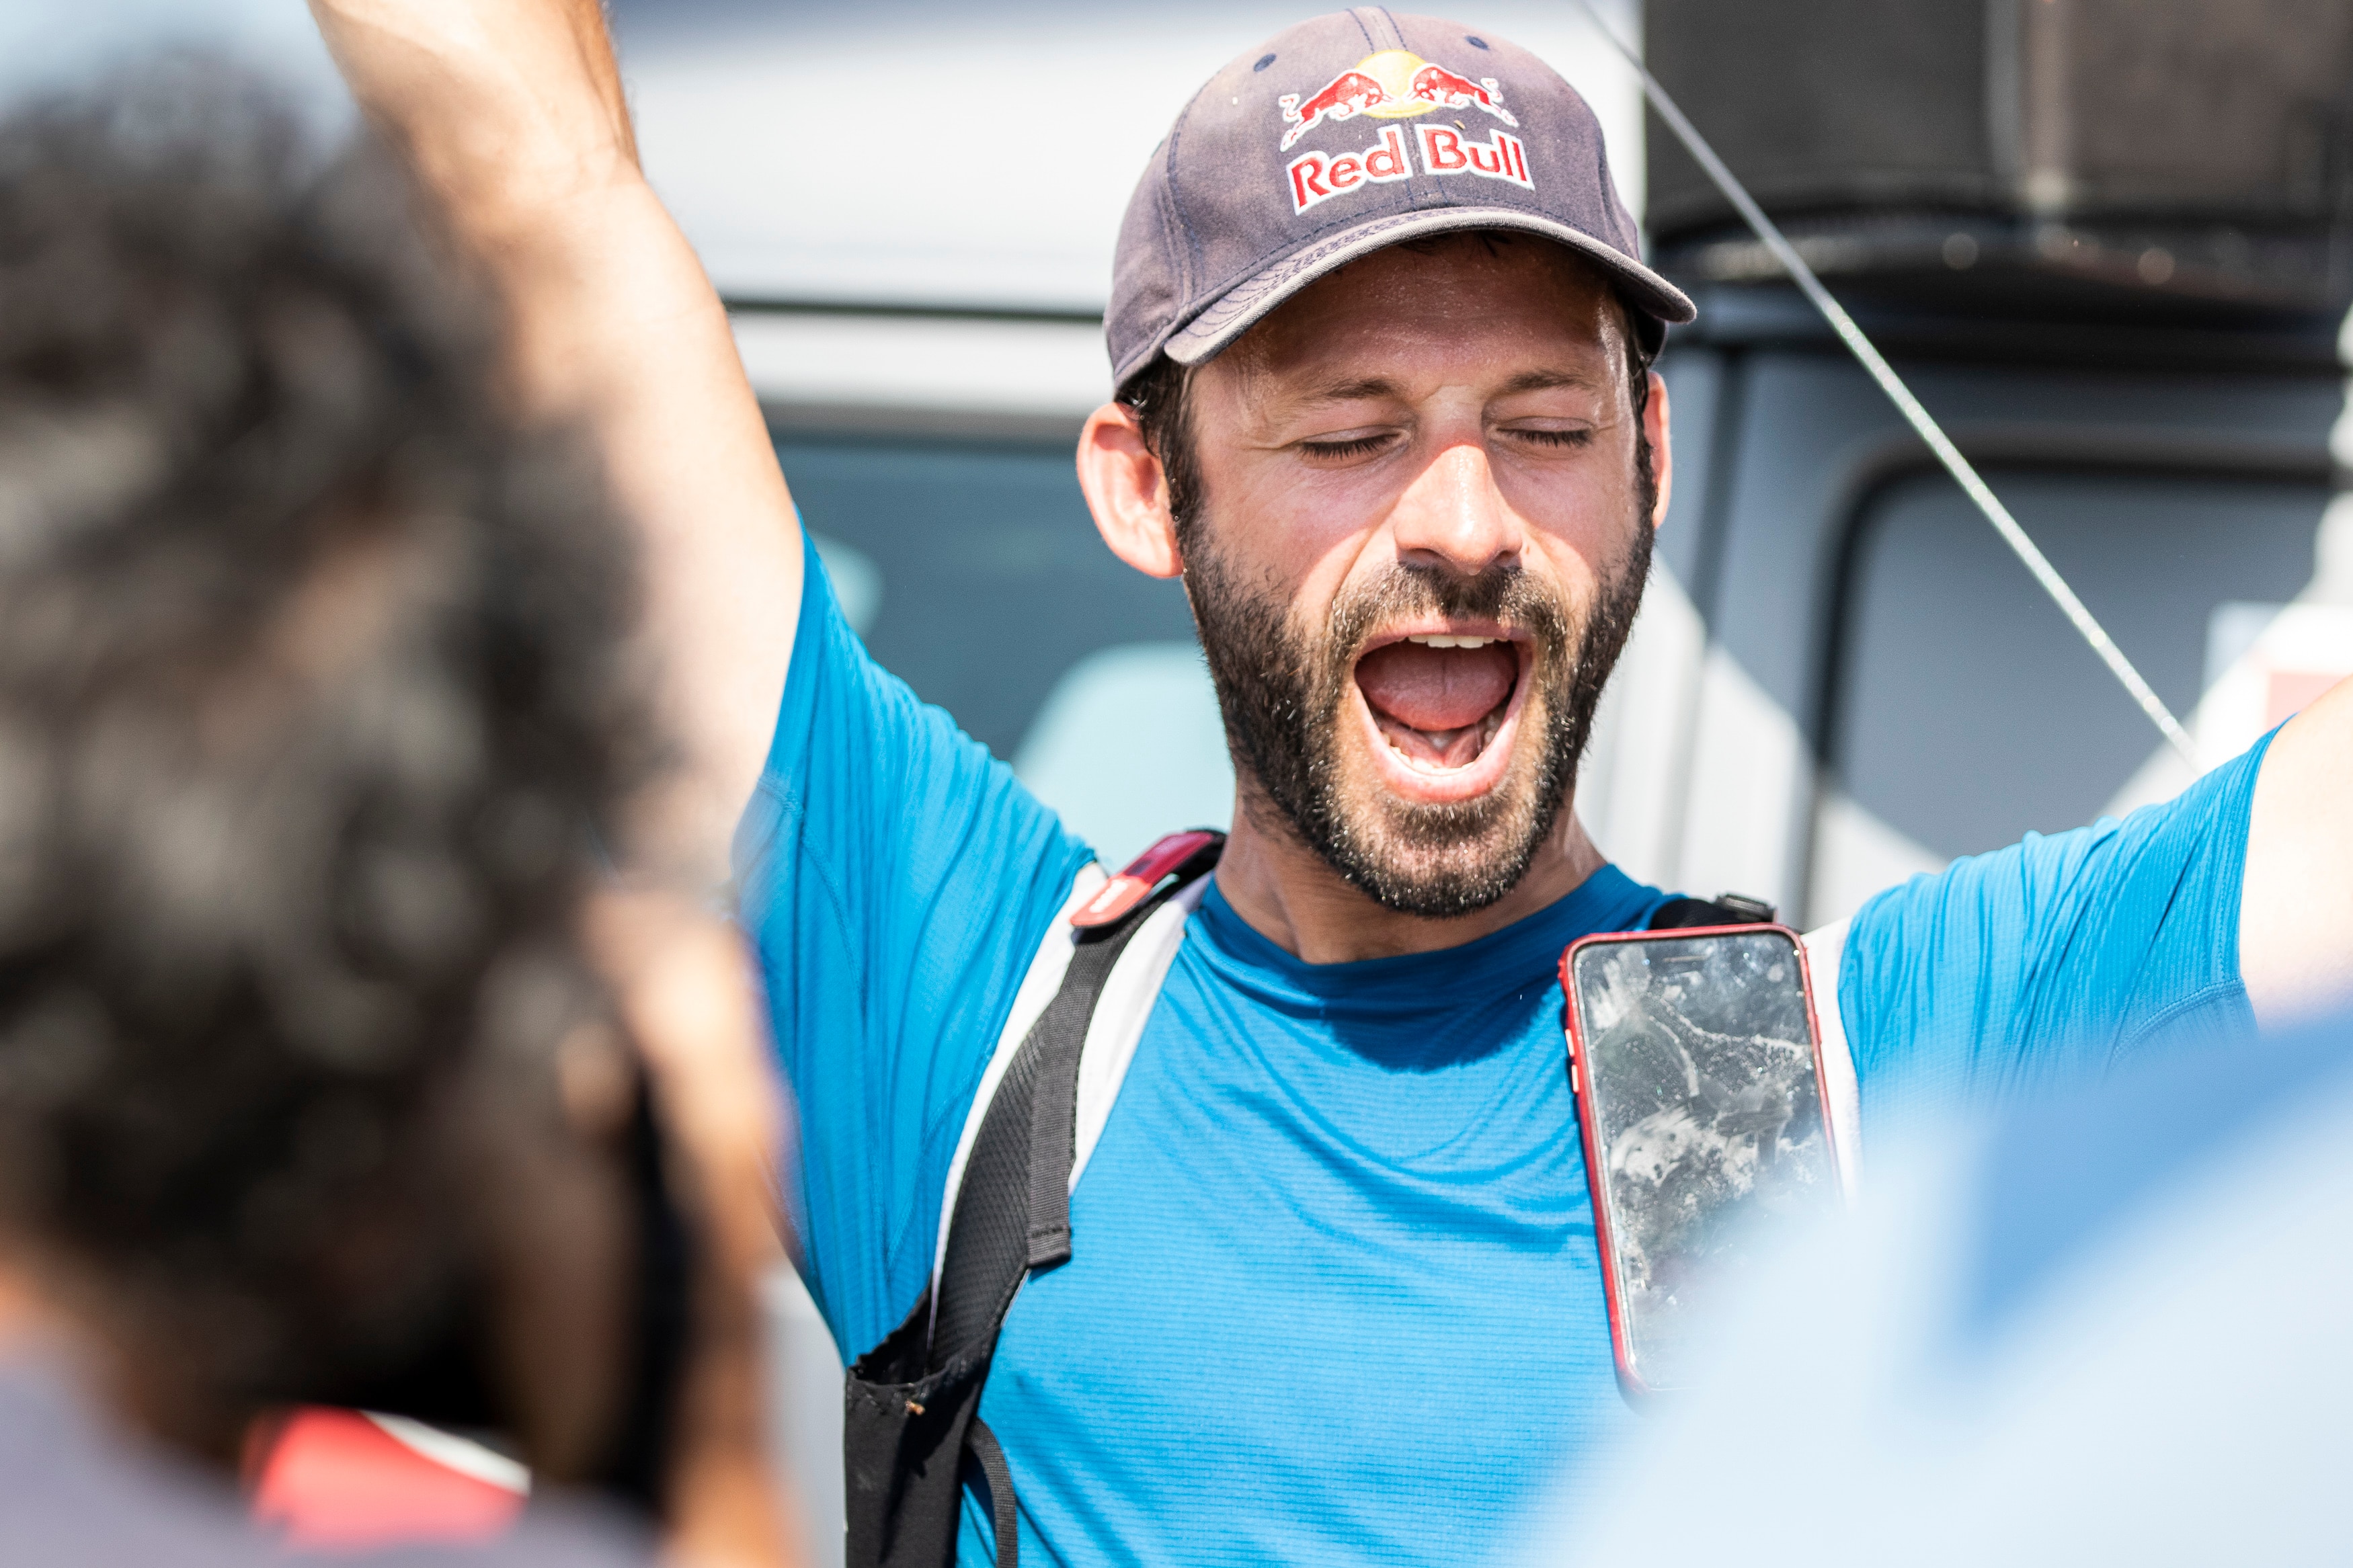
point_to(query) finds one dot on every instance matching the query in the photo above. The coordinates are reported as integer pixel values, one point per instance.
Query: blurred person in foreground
(321, 1033)
(2109, 1327)
(1316, 1281)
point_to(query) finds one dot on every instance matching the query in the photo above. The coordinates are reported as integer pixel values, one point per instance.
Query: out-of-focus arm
(2296, 920)
(685, 988)
(512, 115)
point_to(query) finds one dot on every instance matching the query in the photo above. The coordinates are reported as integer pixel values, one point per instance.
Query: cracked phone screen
(1699, 1056)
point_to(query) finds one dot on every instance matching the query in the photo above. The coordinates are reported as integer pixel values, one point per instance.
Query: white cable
(1908, 406)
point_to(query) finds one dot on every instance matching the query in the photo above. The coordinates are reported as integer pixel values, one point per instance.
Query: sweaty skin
(1452, 406)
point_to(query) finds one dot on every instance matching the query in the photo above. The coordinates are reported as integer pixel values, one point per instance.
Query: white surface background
(960, 154)
(901, 151)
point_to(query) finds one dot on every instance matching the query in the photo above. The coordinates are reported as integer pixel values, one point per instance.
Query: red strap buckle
(1115, 898)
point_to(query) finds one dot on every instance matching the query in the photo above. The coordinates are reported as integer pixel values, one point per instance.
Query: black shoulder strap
(1723, 909)
(1012, 1210)
(914, 1401)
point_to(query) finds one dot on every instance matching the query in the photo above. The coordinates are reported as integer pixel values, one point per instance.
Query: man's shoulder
(2044, 877)
(2056, 952)
(869, 789)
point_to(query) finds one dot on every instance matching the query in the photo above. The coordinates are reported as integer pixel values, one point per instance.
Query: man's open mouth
(1441, 704)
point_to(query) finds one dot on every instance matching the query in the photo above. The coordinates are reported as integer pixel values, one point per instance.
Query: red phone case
(1589, 1134)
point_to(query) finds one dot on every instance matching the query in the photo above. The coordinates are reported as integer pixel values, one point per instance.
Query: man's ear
(1662, 452)
(1127, 491)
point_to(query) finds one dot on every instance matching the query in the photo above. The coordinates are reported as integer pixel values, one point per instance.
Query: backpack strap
(1123, 1006)
(1023, 1157)
(1723, 909)
(912, 1417)
(1123, 1010)
(1039, 986)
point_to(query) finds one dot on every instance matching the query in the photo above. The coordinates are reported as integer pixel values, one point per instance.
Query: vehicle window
(1966, 711)
(976, 574)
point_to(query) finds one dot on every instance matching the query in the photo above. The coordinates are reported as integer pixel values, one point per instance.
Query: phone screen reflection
(1698, 1059)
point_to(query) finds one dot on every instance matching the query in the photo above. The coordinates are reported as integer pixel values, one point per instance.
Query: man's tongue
(1431, 701)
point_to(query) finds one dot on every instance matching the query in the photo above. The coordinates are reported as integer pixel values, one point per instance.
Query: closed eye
(1578, 437)
(1352, 446)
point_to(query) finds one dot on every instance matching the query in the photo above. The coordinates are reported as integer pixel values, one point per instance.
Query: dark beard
(1280, 692)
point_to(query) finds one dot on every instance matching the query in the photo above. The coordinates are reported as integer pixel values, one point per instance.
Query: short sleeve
(2058, 956)
(894, 879)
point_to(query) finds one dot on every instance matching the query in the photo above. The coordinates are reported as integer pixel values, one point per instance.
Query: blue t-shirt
(1334, 1294)
(2014, 972)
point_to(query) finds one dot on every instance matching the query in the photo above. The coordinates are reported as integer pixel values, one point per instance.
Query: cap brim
(1247, 302)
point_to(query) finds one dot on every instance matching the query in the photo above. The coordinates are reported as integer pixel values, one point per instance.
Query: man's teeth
(1434, 641)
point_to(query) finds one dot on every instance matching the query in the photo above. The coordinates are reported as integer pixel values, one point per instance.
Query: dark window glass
(1967, 711)
(992, 580)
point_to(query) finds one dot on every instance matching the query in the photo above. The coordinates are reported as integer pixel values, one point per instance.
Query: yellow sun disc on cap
(1394, 69)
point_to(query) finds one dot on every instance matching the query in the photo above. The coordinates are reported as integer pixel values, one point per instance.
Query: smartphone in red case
(1696, 1063)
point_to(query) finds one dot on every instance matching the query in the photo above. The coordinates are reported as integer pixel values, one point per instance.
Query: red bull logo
(1445, 149)
(1391, 85)
(1349, 94)
(1316, 177)
(1442, 88)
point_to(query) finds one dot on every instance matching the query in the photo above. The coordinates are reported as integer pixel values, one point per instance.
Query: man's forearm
(511, 114)
(685, 986)
(506, 109)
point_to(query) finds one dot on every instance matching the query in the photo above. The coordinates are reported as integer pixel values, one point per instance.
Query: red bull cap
(1344, 135)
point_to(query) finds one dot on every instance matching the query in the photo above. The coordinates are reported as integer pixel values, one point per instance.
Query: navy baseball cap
(1345, 134)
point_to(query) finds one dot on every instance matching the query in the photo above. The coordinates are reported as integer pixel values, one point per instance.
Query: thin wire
(1908, 406)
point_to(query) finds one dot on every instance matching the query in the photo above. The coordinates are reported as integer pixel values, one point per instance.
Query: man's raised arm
(2296, 920)
(512, 115)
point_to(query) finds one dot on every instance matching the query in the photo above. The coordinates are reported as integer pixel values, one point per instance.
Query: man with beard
(1321, 1285)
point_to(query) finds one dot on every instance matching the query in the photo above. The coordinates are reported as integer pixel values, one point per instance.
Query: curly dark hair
(313, 700)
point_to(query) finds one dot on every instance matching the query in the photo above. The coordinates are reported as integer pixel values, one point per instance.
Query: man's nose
(1453, 517)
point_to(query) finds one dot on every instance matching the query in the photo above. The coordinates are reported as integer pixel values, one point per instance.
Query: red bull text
(1319, 176)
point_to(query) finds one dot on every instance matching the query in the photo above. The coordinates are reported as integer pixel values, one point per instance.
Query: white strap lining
(1840, 1087)
(1121, 1013)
